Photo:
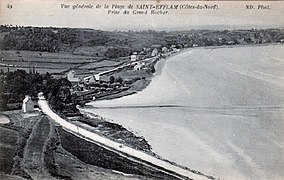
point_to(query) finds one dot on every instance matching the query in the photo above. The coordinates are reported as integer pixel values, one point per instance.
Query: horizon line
(188, 28)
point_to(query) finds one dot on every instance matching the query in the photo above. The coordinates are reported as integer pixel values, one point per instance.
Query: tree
(119, 80)
(153, 69)
(111, 79)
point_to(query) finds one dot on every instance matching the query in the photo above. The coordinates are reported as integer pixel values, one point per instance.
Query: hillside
(113, 44)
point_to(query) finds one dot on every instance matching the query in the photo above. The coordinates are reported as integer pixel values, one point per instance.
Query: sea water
(216, 110)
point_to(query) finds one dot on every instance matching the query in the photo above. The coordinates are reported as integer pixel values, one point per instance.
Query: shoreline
(144, 83)
(272, 51)
(113, 131)
(159, 65)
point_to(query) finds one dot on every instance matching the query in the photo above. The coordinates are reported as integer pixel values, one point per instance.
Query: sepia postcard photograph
(136, 90)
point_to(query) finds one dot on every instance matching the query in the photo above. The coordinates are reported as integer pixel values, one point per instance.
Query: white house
(71, 77)
(40, 95)
(28, 104)
(92, 80)
(97, 77)
(133, 57)
(165, 49)
(195, 45)
(155, 52)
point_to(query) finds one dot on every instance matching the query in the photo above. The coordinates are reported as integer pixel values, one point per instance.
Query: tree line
(15, 85)
(117, 44)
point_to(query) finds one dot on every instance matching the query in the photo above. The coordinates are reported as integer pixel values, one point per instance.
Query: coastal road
(114, 146)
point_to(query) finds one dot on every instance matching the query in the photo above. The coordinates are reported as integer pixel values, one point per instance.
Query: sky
(230, 14)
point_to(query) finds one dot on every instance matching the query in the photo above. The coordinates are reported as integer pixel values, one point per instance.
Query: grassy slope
(33, 156)
(24, 152)
(96, 155)
(8, 146)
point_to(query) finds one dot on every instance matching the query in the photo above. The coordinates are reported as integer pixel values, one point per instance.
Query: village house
(28, 104)
(71, 77)
(195, 45)
(133, 57)
(156, 48)
(231, 42)
(186, 45)
(174, 48)
(97, 77)
(138, 66)
(92, 80)
(165, 50)
(155, 52)
(146, 50)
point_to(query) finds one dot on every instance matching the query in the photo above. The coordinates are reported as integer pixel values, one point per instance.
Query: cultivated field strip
(33, 160)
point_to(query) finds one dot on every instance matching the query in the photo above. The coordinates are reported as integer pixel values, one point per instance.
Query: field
(57, 64)
(42, 62)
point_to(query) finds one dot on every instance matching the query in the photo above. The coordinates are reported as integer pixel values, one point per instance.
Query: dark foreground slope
(32, 147)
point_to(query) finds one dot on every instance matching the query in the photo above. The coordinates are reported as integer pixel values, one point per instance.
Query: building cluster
(92, 86)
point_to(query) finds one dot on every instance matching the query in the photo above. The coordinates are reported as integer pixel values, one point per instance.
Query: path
(33, 161)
